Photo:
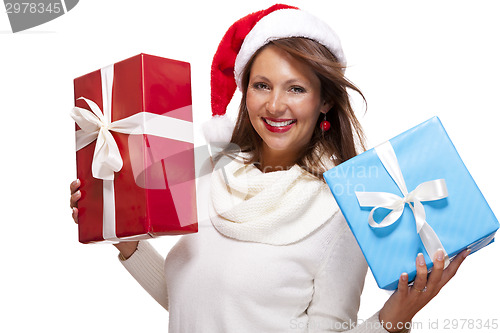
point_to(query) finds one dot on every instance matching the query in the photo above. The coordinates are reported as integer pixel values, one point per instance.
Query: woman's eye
(260, 86)
(297, 89)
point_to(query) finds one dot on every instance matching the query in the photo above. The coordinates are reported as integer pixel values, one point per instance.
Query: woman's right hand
(75, 196)
(125, 248)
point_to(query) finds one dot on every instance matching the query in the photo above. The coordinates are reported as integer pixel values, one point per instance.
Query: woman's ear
(326, 106)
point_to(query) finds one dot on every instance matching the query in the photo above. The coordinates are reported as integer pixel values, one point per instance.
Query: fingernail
(466, 253)
(420, 259)
(440, 255)
(404, 277)
(78, 192)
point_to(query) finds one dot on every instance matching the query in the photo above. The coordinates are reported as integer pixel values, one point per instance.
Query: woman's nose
(276, 103)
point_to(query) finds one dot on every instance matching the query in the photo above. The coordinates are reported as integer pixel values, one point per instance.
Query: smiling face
(284, 102)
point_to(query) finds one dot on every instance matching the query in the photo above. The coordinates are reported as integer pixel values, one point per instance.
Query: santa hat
(242, 40)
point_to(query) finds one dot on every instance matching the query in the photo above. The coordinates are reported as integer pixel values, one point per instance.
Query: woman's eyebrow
(287, 82)
(259, 77)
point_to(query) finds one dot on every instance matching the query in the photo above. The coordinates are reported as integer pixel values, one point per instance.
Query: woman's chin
(280, 147)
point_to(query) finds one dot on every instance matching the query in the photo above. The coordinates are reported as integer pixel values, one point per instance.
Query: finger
(73, 202)
(434, 279)
(452, 268)
(403, 284)
(421, 279)
(74, 185)
(75, 215)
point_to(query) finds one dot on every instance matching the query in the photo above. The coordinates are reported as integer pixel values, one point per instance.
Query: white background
(413, 60)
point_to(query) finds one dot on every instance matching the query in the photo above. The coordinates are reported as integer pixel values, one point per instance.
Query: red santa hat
(242, 40)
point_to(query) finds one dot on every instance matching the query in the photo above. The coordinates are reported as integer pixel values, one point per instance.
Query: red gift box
(140, 180)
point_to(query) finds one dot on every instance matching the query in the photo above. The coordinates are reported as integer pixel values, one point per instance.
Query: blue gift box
(456, 213)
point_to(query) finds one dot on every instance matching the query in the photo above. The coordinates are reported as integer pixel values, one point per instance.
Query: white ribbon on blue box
(409, 195)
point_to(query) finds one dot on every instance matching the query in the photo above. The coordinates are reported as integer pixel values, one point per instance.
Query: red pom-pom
(325, 125)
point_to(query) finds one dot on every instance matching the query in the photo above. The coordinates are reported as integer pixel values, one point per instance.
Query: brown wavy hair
(345, 136)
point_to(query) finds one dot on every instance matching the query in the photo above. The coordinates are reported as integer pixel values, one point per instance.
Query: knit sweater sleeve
(146, 265)
(338, 286)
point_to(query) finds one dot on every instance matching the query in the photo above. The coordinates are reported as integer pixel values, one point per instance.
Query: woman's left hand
(407, 301)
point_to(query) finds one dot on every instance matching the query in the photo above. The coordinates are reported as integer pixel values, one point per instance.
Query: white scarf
(278, 208)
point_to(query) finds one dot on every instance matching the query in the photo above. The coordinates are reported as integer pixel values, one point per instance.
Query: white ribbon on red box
(97, 125)
(426, 191)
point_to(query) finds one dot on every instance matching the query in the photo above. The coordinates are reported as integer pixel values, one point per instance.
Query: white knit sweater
(211, 283)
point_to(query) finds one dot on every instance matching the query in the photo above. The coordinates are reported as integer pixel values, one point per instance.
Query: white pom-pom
(218, 129)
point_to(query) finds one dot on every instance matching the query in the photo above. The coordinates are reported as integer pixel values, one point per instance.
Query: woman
(274, 253)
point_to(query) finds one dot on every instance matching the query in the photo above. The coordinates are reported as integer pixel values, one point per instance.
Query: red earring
(325, 125)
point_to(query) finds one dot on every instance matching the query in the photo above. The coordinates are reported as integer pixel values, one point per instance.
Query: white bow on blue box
(409, 195)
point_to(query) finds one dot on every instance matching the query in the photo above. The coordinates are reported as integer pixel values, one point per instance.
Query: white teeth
(278, 124)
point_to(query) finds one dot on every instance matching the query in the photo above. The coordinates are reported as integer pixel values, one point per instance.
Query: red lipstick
(273, 124)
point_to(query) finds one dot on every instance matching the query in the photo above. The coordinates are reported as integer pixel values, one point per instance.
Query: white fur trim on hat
(286, 23)
(218, 129)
